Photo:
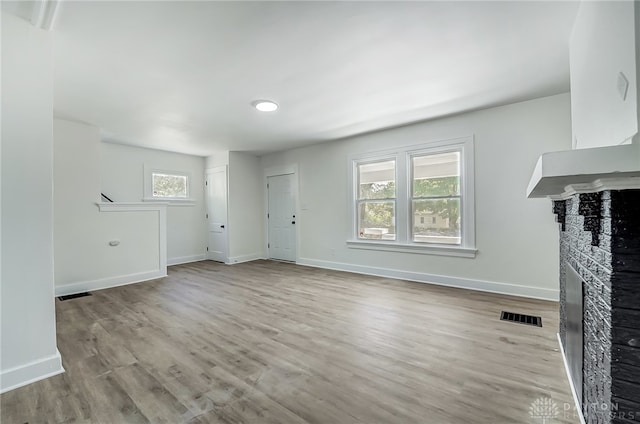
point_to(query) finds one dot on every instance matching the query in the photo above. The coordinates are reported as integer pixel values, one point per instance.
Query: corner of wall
(31, 372)
(28, 347)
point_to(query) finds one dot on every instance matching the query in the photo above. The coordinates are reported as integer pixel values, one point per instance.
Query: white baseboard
(186, 259)
(573, 389)
(105, 283)
(442, 280)
(31, 372)
(244, 258)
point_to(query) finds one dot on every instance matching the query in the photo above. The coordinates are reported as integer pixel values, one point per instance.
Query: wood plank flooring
(269, 342)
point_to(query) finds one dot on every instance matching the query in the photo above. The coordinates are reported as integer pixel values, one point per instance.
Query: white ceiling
(180, 76)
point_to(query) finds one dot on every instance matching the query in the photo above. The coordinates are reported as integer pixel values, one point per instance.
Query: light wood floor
(269, 342)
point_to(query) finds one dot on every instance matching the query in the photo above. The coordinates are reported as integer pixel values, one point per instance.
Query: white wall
(122, 170)
(245, 209)
(28, 346)
(517, 237)
(603, 45)
(84, 260)
(217, 159)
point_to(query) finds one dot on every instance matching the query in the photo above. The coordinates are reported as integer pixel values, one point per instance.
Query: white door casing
(216, 186)
(281, 222)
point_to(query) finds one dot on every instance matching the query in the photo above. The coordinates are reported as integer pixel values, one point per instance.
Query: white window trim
(172, 201)
(364, 161)
(415, 248)
(403, 242)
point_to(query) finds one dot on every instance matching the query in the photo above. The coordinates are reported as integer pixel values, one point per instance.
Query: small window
(377, 200)
(168, 185)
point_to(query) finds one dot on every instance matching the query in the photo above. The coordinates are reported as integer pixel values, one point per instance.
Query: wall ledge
(131, 206)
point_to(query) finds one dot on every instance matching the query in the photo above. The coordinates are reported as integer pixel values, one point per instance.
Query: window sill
(170, 201)
(440, 250)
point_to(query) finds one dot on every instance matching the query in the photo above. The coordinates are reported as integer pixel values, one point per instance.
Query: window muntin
(376, 200)
(436, 196)
(167, 186)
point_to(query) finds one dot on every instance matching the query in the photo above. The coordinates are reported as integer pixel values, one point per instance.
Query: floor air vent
(73, 296)
(521, 318)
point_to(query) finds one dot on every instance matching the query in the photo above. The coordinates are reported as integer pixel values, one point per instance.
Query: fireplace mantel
(560, 175)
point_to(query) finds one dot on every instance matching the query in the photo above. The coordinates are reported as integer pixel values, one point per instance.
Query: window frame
(360, 201)
(148, 187)
(411, 198)
(404, 192)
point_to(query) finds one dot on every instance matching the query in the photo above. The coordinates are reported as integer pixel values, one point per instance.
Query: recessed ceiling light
(265, 105)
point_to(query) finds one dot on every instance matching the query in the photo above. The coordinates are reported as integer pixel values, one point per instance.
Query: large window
(435, 198)
(417, 199)
(377, 200)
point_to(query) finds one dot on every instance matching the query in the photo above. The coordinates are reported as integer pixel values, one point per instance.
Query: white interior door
(216, 191)
(282, 217)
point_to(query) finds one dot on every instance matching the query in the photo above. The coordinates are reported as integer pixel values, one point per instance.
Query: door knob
(293, 222)
(222, 226)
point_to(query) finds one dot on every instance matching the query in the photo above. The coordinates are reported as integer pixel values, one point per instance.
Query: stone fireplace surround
(596, 198)
(600, 240)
